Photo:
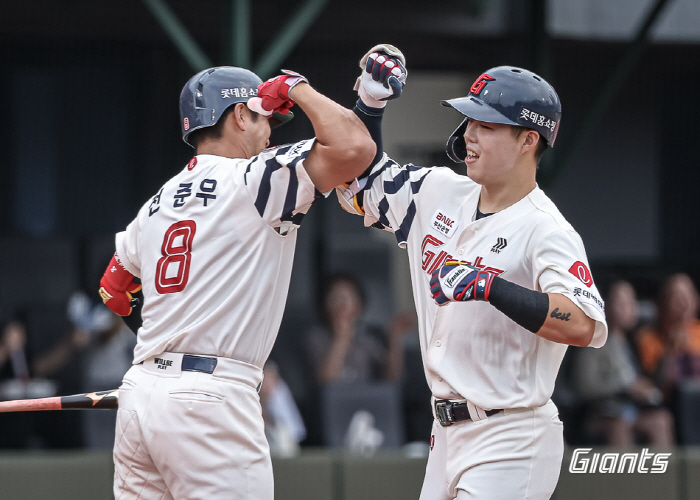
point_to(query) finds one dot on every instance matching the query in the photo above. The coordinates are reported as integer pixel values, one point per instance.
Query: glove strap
(482, 288)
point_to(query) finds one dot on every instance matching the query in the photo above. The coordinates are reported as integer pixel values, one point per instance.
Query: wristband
(528, 308)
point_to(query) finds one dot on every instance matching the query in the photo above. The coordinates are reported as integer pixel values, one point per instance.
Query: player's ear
(529, 140)
(240, 115)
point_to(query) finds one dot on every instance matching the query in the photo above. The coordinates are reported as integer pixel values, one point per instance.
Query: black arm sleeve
(527, 308)
(372, 118)
(134, 320)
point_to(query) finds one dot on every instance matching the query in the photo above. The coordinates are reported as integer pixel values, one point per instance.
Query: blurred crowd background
(90, 132)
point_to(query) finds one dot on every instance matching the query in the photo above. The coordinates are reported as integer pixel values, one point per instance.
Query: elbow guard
(117, 286)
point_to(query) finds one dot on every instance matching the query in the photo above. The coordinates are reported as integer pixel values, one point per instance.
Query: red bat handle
(31, 405)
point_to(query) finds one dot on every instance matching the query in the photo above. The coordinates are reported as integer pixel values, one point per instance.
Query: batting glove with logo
(456, 281)
(383, 75)
(273, 95)
(117, 287)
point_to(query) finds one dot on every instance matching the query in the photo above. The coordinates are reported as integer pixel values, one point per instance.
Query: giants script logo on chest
(444, 224)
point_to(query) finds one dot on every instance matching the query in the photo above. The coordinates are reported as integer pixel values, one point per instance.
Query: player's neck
(228, 148)
(497, 197)
(222, 150)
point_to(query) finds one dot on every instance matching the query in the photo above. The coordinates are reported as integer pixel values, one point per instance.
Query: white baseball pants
(515, 455)
(187, 435)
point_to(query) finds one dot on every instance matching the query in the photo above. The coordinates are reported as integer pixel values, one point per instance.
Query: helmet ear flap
(456, 147)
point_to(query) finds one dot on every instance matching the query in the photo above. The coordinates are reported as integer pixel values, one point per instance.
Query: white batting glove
(383, 75)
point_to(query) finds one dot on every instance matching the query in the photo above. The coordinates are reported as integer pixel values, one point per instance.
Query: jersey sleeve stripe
(394, 185)
(290, 200)
(383, 207)
(405, 227)
(370, 179)
(265, 187)
(415, 186)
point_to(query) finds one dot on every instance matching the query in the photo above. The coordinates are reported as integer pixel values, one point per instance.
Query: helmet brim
(278, 119)
(475, 109)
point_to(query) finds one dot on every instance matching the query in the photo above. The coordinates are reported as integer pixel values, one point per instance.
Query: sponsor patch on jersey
(444, 224)
(192, 164)
(586, 297)
(580, 270)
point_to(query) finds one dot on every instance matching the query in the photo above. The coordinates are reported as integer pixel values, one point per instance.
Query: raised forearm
(343, 149)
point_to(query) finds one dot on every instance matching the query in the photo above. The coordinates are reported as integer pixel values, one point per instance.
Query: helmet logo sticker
(186, 123)
(480, 83)
(238, 92)
(537, 119)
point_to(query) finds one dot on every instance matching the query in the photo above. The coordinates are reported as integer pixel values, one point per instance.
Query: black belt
(196, 364)
(449, 412)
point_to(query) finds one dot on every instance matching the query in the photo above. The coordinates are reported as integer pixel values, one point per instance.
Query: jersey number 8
(173, 268)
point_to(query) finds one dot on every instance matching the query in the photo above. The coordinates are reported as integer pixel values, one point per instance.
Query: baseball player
(213, 250)
(501, 285)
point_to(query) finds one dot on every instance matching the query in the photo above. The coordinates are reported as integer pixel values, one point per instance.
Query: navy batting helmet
(511, 96)
(209, 93)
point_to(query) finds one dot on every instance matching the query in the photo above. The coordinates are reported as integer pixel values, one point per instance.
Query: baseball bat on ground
(102, 400)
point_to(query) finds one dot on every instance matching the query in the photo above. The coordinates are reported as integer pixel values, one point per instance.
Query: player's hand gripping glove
(383, 75)
(273, 95)
(117, 287)
(456, 281)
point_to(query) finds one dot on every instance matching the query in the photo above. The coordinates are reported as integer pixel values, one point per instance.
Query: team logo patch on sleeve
(444, 223)
(580, 270)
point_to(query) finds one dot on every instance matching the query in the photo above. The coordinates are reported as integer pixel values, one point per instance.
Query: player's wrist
(368, 110)
(368, 100)
(528, 308)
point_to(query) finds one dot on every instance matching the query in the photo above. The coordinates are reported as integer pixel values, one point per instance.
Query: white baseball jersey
(214, 250)
(470, 349)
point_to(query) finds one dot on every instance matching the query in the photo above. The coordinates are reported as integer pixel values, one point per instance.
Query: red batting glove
(273, 95)
(117, 286)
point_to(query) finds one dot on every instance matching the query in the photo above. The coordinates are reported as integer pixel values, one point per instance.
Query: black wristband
(372, 118)
(527, 308)
(134, 320)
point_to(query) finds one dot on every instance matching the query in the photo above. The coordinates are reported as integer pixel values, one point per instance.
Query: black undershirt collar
(481, 215)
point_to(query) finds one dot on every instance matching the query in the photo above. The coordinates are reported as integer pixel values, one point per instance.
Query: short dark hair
(541, 145)
(216, 130)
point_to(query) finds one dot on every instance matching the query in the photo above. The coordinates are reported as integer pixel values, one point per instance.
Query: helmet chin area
(456, 147)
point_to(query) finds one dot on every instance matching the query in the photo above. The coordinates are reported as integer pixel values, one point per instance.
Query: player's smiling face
(492, 151)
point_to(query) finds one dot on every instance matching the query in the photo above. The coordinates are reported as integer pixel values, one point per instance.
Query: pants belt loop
(475, 412)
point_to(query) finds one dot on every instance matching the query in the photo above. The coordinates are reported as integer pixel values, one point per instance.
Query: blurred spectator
(13, 361)
(32, 366)
(352, 361)
(670, 350)
(621, 404)
(344, 348)
(51, 349)
(284, 426)
(108, 354)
